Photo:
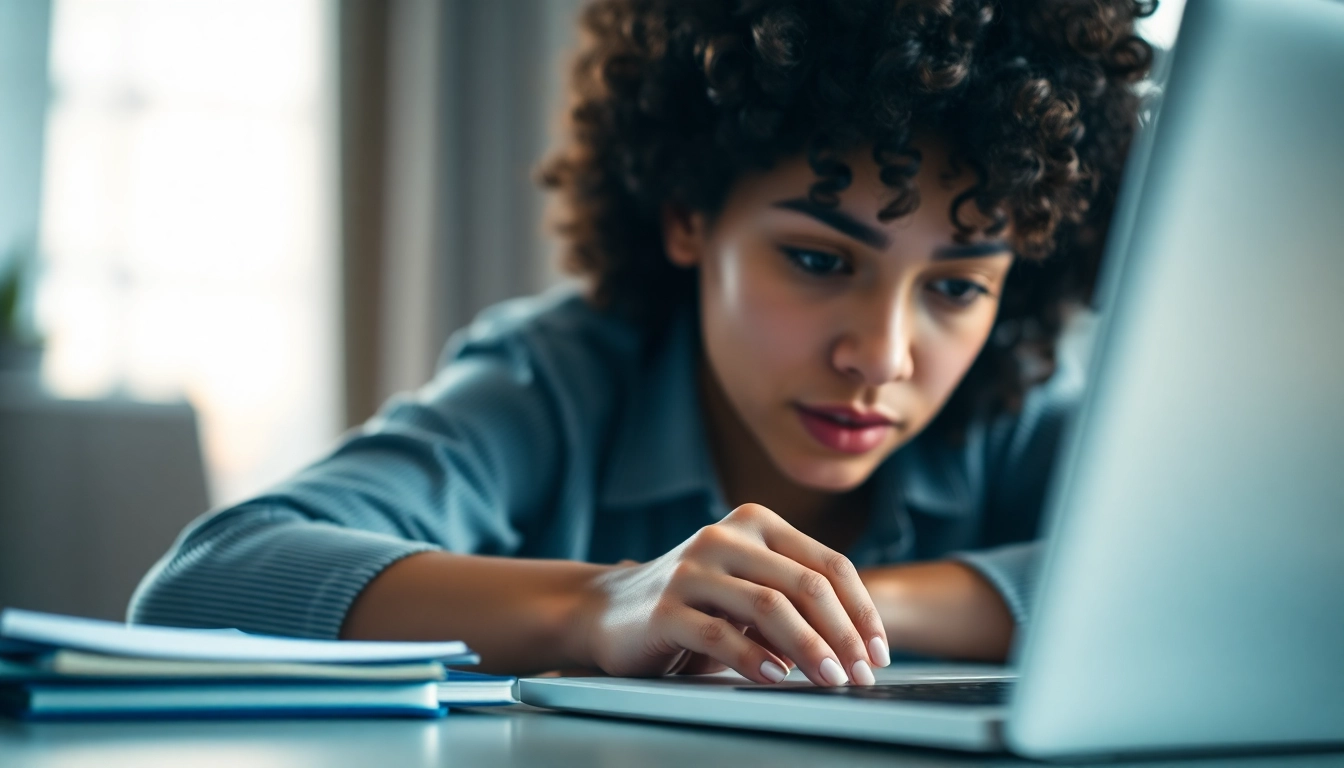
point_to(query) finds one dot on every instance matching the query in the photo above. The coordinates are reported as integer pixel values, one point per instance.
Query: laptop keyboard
(977, 693)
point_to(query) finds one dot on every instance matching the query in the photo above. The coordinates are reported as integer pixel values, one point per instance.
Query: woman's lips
(845, 430)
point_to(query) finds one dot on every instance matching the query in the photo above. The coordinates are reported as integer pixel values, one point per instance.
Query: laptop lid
(1191, 597)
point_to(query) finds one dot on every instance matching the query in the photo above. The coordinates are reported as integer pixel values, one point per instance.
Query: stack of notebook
(59, 667)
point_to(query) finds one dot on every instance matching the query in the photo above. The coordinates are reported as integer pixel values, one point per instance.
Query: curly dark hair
(673, 100)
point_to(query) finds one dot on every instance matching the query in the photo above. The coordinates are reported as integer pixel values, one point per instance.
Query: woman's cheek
(946, 351)
(775, 322)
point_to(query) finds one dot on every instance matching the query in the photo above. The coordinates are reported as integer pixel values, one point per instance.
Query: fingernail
(879, 653)
(773, 672)
(832, 672)
(863, 674)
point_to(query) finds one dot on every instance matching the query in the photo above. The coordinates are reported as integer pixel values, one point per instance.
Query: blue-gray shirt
(555, 430)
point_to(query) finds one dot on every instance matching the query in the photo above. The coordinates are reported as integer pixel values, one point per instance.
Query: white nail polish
(772, 671)
(863, 674)
(879, 653)
(832, 672)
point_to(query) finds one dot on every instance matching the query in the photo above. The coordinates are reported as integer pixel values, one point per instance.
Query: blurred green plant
(18, 271)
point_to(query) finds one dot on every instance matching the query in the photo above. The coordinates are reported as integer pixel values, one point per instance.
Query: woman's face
(836, 337)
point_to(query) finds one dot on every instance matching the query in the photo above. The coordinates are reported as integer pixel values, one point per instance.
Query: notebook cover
(27, 632)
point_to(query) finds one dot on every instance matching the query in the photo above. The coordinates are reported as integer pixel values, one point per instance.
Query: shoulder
(1020, 451)
(558, 328)
(1031, 434)
(1004, 455)
(554, 350)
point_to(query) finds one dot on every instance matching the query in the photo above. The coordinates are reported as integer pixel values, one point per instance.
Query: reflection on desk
(513, 736)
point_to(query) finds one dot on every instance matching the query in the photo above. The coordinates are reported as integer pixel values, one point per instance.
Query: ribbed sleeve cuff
(290, 578)
(1012, 569)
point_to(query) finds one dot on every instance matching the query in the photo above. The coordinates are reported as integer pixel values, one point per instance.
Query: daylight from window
(187, 232)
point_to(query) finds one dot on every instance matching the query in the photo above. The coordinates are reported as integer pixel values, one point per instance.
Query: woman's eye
(962, 293)
(816, 262)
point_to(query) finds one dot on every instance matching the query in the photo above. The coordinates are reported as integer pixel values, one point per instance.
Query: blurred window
(1160, 28)
(187, 222)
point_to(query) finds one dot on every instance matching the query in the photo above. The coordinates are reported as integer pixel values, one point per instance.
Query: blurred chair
(91, 494)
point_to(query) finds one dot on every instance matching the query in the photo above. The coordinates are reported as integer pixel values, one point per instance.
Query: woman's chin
(830, 474)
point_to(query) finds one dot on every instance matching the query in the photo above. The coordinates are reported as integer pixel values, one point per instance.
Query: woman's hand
(802, 602)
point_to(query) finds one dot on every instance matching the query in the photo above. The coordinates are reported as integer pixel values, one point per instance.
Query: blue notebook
(59, 667)
(473, 689)
(85, 700)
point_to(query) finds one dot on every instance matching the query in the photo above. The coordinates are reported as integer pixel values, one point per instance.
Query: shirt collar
(661, 450)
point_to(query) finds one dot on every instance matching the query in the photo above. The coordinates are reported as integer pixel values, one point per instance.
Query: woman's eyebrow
(972, 250)
(838, 220)
(876, 238)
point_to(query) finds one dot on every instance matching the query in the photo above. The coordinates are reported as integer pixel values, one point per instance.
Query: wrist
(576, 607)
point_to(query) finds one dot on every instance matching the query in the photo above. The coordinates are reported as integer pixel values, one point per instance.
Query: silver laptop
(1193, 592)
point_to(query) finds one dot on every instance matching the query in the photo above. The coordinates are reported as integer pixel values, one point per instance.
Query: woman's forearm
(525, 616)
(520, 615)
(942, 609)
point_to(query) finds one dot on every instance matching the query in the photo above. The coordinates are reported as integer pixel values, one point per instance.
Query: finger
(697, 664)
(716, 638)
(816, 600)
(830, 596)
(755, 636)
(776, 618)
(700, 665)
(844, 580)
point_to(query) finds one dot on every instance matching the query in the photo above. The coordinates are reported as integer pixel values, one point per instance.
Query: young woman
(792, 420)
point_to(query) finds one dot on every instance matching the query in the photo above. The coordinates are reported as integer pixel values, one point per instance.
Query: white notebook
(79, 664)
(32, 632)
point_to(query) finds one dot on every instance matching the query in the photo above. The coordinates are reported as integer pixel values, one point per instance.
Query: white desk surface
(515, 736)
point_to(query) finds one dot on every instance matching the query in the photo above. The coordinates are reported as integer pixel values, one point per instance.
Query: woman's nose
(878, 350)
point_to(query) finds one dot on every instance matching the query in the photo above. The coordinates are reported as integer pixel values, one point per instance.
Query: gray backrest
(91, 495)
